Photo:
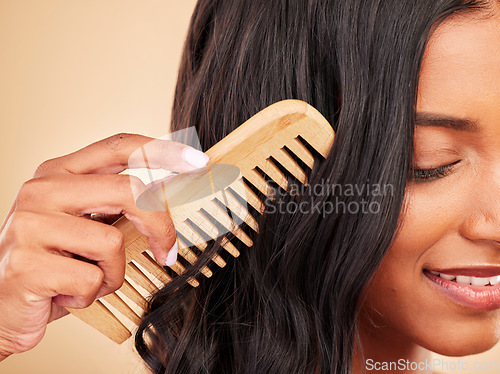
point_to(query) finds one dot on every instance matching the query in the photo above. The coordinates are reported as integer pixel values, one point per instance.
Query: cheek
(399, 277)
(395, 293)
(429, 219)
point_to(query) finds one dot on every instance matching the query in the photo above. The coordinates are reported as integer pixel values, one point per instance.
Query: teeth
(495, 280)
(447, 277)
(475, 281)
(462, 279)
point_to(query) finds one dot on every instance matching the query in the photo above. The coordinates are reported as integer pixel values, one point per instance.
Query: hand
(53, 256)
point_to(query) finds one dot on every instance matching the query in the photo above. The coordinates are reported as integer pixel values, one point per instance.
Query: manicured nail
(194, 157)
(172, 255)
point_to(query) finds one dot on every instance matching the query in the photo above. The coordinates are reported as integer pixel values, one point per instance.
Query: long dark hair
(289, 303)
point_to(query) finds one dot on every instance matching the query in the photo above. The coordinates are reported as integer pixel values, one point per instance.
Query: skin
(451, 222)
(49, 224)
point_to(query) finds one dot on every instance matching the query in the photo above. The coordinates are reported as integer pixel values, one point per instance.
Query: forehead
(460, 72)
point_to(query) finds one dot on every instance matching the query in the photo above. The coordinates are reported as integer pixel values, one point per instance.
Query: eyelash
(428, 175)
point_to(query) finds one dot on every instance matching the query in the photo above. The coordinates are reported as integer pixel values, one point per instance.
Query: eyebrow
(436, 120)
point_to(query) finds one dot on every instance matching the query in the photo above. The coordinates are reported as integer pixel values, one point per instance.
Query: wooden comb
(286, 128)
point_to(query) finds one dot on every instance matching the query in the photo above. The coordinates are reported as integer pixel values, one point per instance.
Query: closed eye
(428, 175)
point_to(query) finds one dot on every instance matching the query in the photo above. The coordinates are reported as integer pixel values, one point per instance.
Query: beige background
(73, 72)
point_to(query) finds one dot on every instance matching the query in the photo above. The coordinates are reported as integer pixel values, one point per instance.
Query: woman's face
(452, 222)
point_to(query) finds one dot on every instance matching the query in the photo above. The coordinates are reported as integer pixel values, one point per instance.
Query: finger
(62, 234)
(67, 281)
(104, 194)
(126, 151)
(157, 184)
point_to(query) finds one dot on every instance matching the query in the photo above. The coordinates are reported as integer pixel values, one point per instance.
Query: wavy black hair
(289, 303)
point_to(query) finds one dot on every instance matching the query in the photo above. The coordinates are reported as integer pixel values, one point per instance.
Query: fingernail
(172, 255)
(194, 157)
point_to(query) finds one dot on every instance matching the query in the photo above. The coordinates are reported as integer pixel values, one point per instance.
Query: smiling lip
(480, 298)
(481, 272)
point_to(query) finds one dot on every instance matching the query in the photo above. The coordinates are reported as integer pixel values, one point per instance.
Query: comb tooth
(301, 151)
(185, 252)
(258, 181)
(122, 307)
(138, 277)
(225, 243)
(245, 192)
(193, 282)
(222, 216)
(152, 267)
(239, 210)
(211, 230)
(276, 175)
(218, 260)
(196, 239)
(190, 234)
(201, 246)
(228, 246)
(291, 165)
(317, 142)
(134, 295)
(179, 269)
(205, 224)
(186, 231)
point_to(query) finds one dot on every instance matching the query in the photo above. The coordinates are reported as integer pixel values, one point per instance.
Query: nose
(482, 223)
(482, 227)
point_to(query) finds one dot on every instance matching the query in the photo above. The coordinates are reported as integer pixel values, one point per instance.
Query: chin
(469, 339)
(460, 350)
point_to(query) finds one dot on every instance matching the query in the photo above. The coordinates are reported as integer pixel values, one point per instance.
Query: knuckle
(81, 301)
(20, 223)
(133, 181)
(92, 281)
(16, 264)
(28, 190)
(45, 168)
(116, 142)
(171, 147)
(34, 190)
(115, 238)
(132, 186)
